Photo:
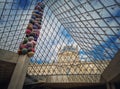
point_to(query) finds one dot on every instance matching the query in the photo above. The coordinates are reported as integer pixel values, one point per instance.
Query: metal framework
(93, 26)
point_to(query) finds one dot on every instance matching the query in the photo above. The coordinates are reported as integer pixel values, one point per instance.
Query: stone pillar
(18, 76)
(110, 86)
(113, 86)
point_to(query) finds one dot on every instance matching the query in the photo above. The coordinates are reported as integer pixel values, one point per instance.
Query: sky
(54, 35)
(14, 18)
(104, 49)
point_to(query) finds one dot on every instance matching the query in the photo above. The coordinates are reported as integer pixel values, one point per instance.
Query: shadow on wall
(43, 86)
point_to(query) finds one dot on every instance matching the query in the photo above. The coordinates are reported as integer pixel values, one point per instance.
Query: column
(18, 76)
(111, 86)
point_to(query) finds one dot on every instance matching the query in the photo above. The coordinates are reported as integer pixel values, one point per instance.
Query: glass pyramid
(77, 40)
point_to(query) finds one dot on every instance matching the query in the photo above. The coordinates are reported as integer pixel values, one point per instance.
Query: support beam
(113, 69)
(18, 77)
(110, 86)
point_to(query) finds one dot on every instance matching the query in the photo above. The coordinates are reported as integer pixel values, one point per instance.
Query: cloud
(107, 49)
(95, 43)
(53, 37)
(100, 44)
(14, 19)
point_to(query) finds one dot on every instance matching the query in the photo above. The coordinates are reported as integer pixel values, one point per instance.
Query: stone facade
(68, 63)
